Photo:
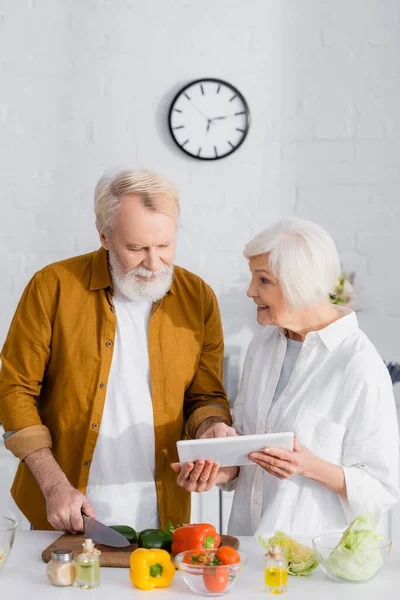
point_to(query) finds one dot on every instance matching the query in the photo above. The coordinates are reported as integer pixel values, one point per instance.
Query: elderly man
(110, 359)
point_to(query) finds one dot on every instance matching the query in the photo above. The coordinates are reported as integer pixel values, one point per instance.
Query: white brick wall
(342, 82)
(86, 85)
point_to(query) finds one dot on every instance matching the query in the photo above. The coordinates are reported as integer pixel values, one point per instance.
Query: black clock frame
(235, 91)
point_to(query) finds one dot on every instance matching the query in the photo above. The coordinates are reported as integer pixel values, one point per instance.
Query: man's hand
(63, 502)
(202, 475)
(213, 427)
(196, 477)
(64, 505)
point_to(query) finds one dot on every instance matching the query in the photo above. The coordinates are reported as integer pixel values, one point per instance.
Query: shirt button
(108, 344)
(94, 425)
(102, 385)
(86, 463)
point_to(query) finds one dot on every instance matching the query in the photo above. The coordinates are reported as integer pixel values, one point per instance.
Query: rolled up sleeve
(23, 361)
(25, 441)
(206, 396)
(371, 452)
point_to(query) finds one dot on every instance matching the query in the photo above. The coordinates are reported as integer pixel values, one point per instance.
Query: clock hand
(199, 111)
(209, 122)
(225, 117)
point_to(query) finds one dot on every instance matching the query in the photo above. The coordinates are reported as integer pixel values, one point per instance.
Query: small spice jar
(61, 570)
(275, 571)
(88, 566)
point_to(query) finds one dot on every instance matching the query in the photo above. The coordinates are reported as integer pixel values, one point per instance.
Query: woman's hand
(283, 464)
(202, 475)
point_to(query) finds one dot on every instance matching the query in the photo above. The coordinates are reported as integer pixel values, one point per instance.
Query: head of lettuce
(358, 555)
(301, 559)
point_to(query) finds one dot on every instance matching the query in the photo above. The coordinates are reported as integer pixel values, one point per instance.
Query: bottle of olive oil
(275, 571)
(88, 566)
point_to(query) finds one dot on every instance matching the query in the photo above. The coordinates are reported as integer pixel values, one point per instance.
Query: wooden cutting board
(110, 557)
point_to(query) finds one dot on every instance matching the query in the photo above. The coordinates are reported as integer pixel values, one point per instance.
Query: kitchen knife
(102, 534)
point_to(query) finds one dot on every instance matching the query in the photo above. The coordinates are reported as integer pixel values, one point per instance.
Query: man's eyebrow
(167, 242)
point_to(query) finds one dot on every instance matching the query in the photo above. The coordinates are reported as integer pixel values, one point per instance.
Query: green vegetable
(170, 528)
(301, 559)
(155, 538)
(357, 556)
(127, 532)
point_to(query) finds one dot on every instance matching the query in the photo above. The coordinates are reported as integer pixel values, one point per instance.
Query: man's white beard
(136, 289)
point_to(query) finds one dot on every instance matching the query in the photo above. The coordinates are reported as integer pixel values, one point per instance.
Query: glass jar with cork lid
(275, 571)
(88, 566)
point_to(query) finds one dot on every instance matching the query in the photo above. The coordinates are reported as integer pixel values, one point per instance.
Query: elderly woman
(314, 372)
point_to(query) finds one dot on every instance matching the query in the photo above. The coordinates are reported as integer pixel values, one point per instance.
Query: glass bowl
(350, 566)
(8, 528)
(210, 580)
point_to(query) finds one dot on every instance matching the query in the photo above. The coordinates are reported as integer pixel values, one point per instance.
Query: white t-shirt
(121, 484)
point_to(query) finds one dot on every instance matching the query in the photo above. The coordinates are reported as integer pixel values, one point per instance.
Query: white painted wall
(86, 85)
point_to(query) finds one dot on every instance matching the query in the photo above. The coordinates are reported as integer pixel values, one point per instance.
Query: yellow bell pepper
(151, 569)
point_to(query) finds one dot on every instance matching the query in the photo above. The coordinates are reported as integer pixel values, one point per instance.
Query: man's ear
(104, 241)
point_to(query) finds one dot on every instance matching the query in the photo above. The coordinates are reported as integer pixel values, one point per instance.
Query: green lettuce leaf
(357, 556)
(301, 559)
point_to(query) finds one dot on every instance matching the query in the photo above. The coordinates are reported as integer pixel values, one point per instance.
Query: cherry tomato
(197, 557)
(216, 579)
(188, 558)
(227, 555)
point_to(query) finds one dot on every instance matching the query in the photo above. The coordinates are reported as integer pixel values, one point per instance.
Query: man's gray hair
(304, 258)
(156, 193)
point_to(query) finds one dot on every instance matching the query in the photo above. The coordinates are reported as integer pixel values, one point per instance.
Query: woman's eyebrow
(262, 271)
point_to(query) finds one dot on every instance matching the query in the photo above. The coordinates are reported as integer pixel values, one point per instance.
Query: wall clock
(209, 119)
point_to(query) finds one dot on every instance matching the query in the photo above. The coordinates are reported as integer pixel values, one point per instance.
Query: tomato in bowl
(211, 572)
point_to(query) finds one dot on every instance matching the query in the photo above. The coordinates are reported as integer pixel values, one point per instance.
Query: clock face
(209, 119)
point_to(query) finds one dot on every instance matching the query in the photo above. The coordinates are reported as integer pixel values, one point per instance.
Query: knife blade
(102, 534)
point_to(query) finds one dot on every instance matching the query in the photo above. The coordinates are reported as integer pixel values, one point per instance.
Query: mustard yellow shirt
(56, 362)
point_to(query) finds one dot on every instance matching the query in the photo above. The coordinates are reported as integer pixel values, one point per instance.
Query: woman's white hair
(156, 193)
(304, 258)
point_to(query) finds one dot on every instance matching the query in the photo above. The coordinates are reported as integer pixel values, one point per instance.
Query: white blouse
(339, 403)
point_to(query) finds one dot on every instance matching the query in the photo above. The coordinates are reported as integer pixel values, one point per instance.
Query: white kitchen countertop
(24, 577)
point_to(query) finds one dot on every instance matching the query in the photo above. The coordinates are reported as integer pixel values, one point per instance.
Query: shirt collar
(336, 332)
(101, 276)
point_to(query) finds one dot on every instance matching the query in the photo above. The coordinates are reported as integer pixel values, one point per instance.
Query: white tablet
(231, 451)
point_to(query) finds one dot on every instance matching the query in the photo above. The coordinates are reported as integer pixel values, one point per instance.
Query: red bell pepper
(194, 537)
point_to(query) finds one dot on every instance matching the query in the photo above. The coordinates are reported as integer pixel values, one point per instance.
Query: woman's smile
(262, 307)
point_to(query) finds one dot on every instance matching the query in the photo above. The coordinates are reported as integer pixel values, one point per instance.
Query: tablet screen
(232, 451)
